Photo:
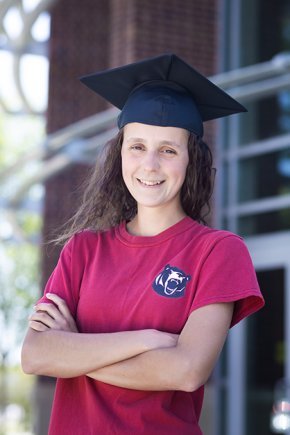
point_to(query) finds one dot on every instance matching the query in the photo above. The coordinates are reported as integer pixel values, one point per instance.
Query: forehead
(153, 132)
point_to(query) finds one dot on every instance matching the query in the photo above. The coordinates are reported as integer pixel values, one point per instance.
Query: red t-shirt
(113, 281)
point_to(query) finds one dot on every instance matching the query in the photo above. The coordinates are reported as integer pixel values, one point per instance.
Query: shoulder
(87, 240)
(224, 251)
(210, 239)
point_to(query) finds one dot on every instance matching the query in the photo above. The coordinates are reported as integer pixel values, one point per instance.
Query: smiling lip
(150, 183)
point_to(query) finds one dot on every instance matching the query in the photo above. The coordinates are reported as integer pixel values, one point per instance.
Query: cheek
(124, 173)
(182, 170)
(124, 163)
(127, 168)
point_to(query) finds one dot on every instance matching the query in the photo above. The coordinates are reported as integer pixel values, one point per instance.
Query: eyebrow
(135, 139)
(170, 142)
(163, 142)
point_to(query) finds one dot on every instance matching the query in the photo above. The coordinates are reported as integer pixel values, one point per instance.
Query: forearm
(67, 354)
(156, 370)
(186, 365)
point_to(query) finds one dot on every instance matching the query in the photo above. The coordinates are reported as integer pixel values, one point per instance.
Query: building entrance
(258, 355)
(265, 352)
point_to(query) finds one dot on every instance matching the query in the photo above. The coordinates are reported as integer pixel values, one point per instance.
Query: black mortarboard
(164, 91)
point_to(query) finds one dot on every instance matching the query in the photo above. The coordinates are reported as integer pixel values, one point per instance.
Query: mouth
(150, 183)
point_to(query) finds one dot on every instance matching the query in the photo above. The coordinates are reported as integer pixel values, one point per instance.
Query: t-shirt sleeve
(63, 279)
(228, 275)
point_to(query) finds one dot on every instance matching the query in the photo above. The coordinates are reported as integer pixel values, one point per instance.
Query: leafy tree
(19, 256)
(18, 290)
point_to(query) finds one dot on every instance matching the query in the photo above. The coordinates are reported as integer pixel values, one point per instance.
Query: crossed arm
(143, 360)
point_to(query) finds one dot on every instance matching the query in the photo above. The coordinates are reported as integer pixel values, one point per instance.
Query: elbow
(32, 366)
(31, 357)
(28, 369)
(192, 384)
(27, 365)
(192, 378)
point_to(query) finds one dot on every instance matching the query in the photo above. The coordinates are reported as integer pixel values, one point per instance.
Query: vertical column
(78, 45)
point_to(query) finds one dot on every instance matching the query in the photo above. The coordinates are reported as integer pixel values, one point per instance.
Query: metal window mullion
(278, 66)
(233, 177)
(287, 326)
(219, 163)
(259, 90)
(220, 380)
(259, 206)
(287, 321)
(260, 147)
(236, 369)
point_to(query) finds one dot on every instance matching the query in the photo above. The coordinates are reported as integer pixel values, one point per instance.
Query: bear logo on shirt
(171, 282)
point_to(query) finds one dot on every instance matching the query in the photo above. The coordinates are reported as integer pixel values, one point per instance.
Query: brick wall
(79, 40)
(149, 27)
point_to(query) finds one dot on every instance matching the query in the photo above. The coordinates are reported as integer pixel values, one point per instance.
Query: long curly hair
(107, 201)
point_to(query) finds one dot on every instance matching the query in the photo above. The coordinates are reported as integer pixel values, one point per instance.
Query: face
(154, 162)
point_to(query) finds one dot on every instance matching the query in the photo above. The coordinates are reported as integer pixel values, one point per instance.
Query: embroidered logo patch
(171, 282)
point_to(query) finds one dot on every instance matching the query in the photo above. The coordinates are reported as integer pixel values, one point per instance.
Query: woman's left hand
(52, 316)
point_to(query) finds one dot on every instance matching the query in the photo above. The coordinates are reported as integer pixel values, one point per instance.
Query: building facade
(254, 201)
(252, 155)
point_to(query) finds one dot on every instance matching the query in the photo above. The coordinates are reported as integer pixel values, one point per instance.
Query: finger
(50, 315)
(50, 309)
(37, 326)
(63, 308)
(62, 314)
(60, 303)
(44, 318)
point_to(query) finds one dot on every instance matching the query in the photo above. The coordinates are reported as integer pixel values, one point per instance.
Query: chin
(150, 204)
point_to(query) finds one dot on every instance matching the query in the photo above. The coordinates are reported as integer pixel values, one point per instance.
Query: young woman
(138, 308)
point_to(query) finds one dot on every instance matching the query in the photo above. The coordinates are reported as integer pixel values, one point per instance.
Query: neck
(150, 221)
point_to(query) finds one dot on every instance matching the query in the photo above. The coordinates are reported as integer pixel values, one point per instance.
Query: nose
(151, 161)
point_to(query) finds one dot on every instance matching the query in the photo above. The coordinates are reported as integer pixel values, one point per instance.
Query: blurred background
(51, 127)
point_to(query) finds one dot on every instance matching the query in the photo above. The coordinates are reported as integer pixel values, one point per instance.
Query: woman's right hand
(155, 339)
(52, 316)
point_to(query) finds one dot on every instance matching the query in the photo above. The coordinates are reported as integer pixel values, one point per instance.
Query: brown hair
(107, 201)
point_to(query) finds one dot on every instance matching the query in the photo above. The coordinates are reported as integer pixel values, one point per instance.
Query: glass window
(261, 223)
(267, 117)
(264, 176)
(265, 33)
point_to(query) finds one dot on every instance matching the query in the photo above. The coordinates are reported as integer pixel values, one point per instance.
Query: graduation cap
(163, 91)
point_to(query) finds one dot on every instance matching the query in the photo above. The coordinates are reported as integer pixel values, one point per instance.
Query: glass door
(265, 352)
(258, 352)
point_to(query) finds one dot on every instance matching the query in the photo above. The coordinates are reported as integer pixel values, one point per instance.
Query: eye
(137, 147)
(168, 151)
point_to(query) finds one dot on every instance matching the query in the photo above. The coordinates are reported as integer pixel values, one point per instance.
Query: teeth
(150, 183)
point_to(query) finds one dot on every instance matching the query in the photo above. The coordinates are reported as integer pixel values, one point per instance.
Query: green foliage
(30, 223)
(19, 288)
(18, 135)
(20, 393)
(19, 265)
